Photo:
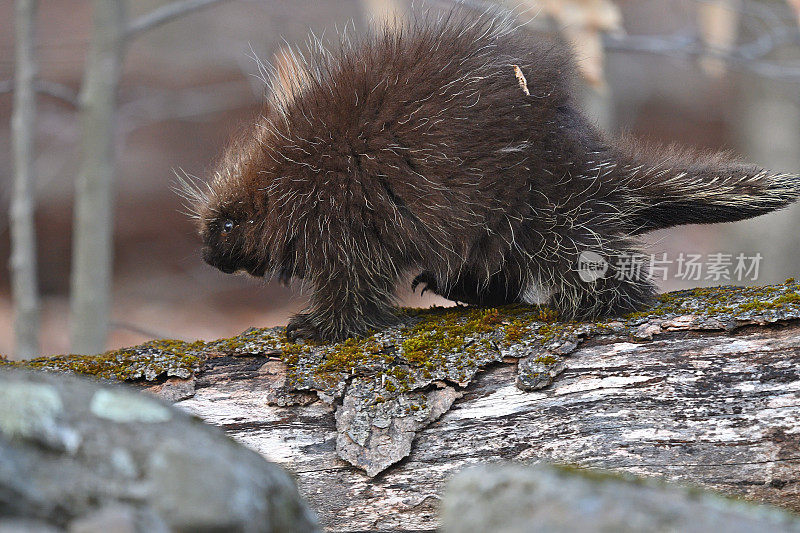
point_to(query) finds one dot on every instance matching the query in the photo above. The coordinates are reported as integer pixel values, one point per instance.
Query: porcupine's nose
(207, 253)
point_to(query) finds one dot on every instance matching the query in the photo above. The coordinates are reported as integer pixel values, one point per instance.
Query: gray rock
(26, 526)
(517, 499)
(79, 456)
(117, 518)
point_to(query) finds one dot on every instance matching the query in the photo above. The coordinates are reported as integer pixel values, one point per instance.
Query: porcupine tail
(672, 186)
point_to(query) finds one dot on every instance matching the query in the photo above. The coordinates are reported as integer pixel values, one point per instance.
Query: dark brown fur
(418, 150)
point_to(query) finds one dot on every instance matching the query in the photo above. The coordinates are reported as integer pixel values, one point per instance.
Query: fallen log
(702, 389)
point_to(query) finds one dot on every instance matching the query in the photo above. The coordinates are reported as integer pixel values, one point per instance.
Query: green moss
(450, 343)
(438, 343)
(547, 360)
(346, 357)
(550, 332)
(290, 354)
(724, 300)
(780, 301)
(149, 360)
(444, 333)
(350, 354)
(254, 340)
(519, 329)
(755, 305)
(155, 359)
(515, 331)
(788, 298)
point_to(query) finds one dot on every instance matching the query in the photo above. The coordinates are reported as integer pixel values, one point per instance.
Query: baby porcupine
(452, 148)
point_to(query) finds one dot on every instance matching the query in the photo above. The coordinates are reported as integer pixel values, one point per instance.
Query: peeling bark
(375, 437)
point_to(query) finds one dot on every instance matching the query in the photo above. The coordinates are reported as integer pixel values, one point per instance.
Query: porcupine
(452, 147)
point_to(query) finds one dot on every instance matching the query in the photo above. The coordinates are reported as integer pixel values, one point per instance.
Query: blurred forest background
(715, 74)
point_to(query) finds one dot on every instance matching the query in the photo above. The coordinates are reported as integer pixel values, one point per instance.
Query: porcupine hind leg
(600, 282)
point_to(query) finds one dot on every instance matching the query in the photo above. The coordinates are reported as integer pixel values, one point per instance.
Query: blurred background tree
(22, 263)
(719, 74)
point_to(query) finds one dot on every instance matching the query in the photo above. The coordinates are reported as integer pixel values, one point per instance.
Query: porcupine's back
(421, 138)
(454, 143)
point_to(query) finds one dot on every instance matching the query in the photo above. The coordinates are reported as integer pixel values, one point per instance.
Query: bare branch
(58, 91)
(148, 333)
(689, 46)
(165, 14)
(50, 88)
(185, 104)
(776, 28)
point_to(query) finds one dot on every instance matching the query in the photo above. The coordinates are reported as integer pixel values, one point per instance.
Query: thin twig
(58, 91)
(185, 104)
(50, 88)
(142, 331)
(165, 14)
(689, 46)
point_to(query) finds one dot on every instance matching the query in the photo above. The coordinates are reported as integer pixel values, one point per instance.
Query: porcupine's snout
(254, 266)
(217, 262)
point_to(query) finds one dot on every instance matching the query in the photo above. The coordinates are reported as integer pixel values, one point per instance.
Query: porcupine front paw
(302, 327)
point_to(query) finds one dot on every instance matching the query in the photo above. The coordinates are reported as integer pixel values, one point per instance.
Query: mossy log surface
(702, 388)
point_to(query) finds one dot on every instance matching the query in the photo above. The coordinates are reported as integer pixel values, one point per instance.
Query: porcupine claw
(426, 278)
(301, 327)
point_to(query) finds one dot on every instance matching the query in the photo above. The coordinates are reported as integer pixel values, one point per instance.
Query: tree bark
(715, 409)
(92, 253)
(702, 388)
(22, 265)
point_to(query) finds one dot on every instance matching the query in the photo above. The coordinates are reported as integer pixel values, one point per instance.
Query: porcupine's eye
(227, 226)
